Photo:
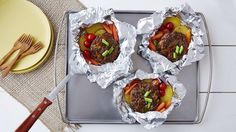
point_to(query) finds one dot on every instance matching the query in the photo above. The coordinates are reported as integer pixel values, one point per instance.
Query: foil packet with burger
(102, 45)
(172, 39)
(147, 98)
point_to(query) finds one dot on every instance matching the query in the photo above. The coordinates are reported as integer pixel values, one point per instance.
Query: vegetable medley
(148, 95)
(171, 39)
(99, 43)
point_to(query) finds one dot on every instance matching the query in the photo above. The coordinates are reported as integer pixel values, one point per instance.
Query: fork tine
(24, 37)
(21, 37)
(38, 46)
(35, 45)
(41, 45)
(30, 40)
(38, 43)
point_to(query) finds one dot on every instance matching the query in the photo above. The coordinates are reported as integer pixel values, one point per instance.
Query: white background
(221, 113)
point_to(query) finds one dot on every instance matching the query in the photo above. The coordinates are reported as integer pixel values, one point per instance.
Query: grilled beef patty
(98, 48)
(168, 43)
(137, 99)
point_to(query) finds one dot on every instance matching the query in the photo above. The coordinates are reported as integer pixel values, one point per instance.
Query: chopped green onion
(105, 42)
(148, 105)
(174, 55)
(177, 49)
(181, 49)
(146, 94)
(105, 53)
(155, 42)
(148, 100)
(111, 50)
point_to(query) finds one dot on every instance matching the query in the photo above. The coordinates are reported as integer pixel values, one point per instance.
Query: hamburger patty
(98, 48)
(137, 99)
(168, 43)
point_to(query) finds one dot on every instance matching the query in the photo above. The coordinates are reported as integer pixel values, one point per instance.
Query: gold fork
(25, 45)
(15, 47)
(33, 49)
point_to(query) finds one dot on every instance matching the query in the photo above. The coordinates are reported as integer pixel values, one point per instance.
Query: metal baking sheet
(87, 103)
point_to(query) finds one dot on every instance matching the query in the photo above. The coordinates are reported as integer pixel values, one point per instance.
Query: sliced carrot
(107, 28)
(126, 88)
(111, 26)
(152, 46)
(131, 83)
(92, 61)
(114, 32)
(130, 88)
(168, 103)
(135, 81)
(158, 35)
(160, 106)
(162, 110)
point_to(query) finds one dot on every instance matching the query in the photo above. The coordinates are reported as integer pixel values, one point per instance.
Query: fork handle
(24, 54)
(7, 70)
(4, 66)
(7, 56)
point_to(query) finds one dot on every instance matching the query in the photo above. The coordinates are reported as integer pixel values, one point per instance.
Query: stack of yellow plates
(18, 17)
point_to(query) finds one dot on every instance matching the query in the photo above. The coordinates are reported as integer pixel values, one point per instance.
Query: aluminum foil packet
(147, 27)
(149, 119)
(107, 73)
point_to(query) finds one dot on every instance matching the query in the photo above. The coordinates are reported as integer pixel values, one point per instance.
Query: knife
(47, 101)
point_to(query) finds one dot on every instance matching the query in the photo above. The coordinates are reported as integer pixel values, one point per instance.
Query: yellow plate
(18, 17)
(42, 61)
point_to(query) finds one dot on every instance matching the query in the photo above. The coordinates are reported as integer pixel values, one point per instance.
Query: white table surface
(220, 116)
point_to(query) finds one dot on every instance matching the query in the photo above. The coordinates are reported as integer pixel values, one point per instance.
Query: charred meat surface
(98, 43)
(140, 102)
(173, 46)
(148, 95)
(171, 39)
(104, 49)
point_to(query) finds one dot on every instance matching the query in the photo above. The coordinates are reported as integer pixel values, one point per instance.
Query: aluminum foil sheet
(147, 27)
(107, 73)
(149, 119)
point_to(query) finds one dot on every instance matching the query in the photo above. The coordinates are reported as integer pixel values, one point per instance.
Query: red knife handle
(31, 119)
